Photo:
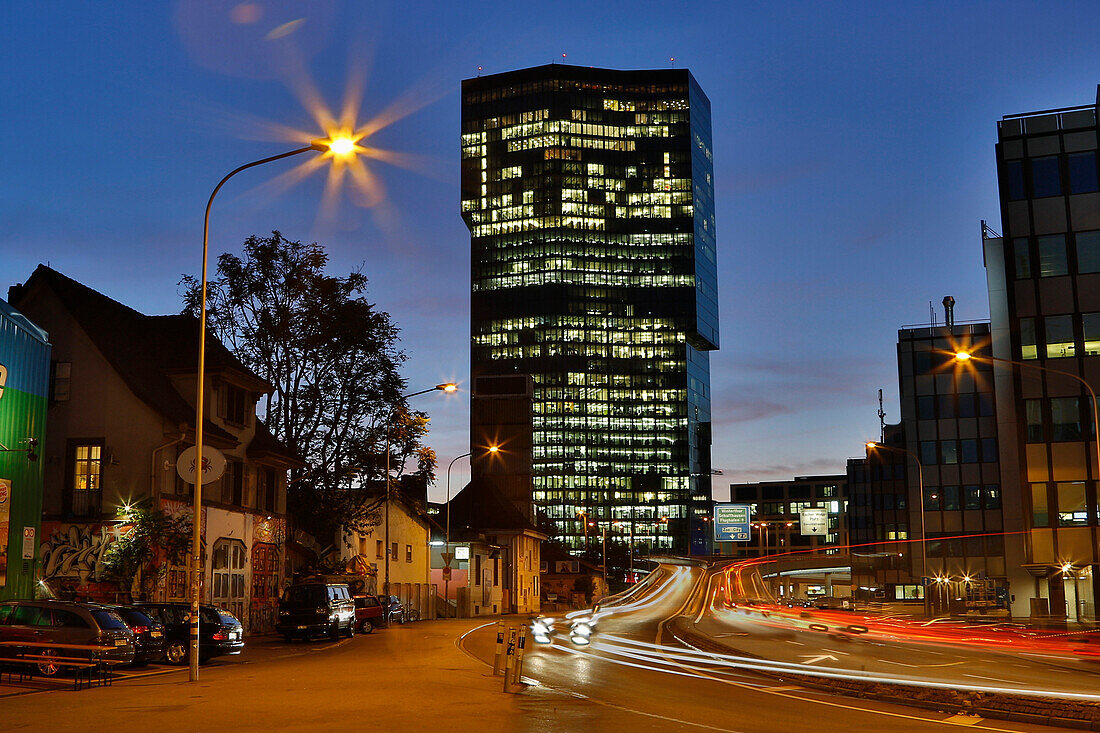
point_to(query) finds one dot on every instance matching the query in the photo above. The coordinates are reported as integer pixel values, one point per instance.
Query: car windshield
(108, 620)
(304, 595)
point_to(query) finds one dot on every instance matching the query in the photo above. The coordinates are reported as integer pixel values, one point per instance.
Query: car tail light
(139, 629)
(220, 636)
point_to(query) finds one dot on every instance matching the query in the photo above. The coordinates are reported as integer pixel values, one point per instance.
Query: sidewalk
(407, 678)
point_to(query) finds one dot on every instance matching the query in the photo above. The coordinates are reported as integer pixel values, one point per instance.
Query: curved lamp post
(336, 146)
(872, 445)
(448, 387)
(447, 576)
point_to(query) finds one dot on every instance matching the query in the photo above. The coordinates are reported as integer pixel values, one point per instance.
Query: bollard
(517, 678)
(509, 658)
(500, 648)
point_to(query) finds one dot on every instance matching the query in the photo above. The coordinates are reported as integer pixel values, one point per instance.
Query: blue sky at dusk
(853, 156)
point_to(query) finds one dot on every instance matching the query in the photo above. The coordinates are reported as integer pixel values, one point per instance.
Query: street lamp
(337, 146)
(449, 387)
(447, 564)
(872, 445)
(965, 357)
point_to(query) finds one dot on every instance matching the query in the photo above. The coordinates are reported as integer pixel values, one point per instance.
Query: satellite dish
(213, 465)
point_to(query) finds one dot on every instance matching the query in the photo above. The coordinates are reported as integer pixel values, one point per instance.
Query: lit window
(1059, 336)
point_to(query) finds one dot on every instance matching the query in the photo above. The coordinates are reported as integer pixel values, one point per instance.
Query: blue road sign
(732, 523)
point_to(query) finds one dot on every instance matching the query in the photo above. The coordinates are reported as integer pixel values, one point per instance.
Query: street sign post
(731, 522)
(814, 521)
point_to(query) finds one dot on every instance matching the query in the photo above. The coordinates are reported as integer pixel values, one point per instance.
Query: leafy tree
(151, 540)
(333, 361)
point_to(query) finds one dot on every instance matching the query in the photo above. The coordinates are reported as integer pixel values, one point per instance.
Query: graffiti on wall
(75, 551)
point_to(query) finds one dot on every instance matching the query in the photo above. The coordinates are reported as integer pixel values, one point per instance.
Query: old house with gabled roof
(121, 411)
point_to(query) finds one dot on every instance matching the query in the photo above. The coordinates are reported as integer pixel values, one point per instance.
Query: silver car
(63, 629)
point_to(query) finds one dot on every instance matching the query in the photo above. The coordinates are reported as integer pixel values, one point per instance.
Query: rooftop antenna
(931, 314)
(479, 71)
(881, 418)
(563, 57)
(672, 62)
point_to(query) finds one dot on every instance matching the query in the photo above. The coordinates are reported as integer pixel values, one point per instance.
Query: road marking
(994, 679)
(921, 666)
(834, 651)
(791, 641)
(781, 688)
(963, 719)
(817, 658)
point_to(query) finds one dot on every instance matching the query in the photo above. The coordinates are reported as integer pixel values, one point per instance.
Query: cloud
(783, 471)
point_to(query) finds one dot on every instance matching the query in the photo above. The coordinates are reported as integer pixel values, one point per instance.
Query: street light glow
(494, 449)
(341, 146)
(448, 387)
(962, 356)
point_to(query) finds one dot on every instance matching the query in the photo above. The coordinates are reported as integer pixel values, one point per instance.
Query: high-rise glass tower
(590, 202)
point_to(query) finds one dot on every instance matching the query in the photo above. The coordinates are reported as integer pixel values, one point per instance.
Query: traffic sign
(814, 521)
(447, 557)
(731, 522)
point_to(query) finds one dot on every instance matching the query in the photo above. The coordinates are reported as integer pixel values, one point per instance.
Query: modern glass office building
(589, 198)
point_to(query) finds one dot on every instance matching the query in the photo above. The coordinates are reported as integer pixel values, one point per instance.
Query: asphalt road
(633, 665)
(786, 637)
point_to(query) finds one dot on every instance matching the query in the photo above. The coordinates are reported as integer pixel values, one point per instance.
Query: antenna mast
(881, 418)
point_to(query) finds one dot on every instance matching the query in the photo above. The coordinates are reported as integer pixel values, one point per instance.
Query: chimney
(949, 311)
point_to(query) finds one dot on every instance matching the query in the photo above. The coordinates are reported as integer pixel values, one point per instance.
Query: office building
(1044, 301)
(589, 198)
(775, 515)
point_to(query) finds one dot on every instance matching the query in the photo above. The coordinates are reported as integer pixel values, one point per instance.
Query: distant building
(121, 412)
(1044, 300)
(410, 556)
(589, 198)
(949, 429)
(508, 578)
(775, 515)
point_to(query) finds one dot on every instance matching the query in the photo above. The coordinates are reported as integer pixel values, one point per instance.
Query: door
(227, 569)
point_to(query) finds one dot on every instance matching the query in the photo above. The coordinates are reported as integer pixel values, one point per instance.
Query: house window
(1046, 179)
(393, 551)
(1059, 336)
(1071, 504)
(1034, 410)
(1052, 256)
(408, 553)
(266, 491)
(87, 461)
(1082, 172)
(235, 405)
(378, 548)
(61, 382)
(1022, 255)
(1065, 418)
(1090, 325)
(1028, 349)
(1014, 179)
(1088, 252)
(1040, 516)
(233, 483)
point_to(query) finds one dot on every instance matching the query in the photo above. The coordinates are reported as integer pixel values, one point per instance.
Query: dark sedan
(149, 639)
(220, 633)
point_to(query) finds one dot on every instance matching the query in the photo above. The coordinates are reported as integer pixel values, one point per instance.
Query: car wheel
(366, 627)
(414, 615)
(175, 652)
(48, 667)
(351, 628)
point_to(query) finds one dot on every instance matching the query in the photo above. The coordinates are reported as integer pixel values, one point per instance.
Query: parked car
(368, 613)
(149, 639)
(40, 623)
(312, 609)
(220, 633)
(397, 612)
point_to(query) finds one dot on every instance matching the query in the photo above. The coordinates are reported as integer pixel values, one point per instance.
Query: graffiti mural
(73, 554)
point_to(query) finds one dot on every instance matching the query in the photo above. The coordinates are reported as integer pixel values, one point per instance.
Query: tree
(151, 539)
(333, 361)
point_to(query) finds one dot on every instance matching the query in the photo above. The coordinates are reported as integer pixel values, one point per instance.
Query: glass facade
(589, 198)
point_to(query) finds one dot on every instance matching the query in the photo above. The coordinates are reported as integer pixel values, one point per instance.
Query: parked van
(313, 609)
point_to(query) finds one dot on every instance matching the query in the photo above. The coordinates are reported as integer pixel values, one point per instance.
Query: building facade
(775, 511)
(589, 198)
(120, 415)
(1044, 300)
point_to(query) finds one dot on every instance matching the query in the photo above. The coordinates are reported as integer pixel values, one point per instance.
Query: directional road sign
(731, 522)
(814, 521)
